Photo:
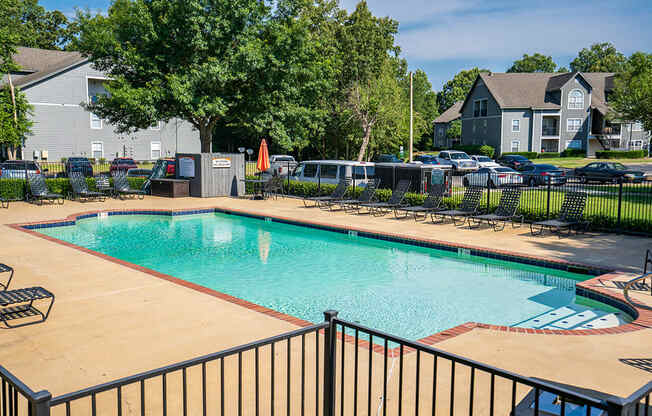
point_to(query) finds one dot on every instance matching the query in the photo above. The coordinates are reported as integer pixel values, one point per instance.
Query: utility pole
(411, 118)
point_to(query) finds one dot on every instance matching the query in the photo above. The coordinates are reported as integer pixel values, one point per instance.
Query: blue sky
(443, 37)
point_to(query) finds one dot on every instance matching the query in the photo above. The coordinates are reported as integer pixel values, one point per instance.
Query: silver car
(16, 169)
(462, 163)
(493, 177)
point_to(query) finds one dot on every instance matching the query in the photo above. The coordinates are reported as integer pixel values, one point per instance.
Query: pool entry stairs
(574, 317)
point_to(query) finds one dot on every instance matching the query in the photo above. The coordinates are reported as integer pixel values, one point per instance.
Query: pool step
(569, 318)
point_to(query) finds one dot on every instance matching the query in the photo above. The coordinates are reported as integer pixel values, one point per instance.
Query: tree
(632, 98)
(562, 69)
(454, 130)
(600, 57)
(35, 27)
(197, 60)
(457, 88)
(15, 119)
(425, 105)
(533, 63)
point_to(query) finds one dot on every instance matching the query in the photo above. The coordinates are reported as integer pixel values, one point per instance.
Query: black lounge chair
(434, 202)
(6, 269)
(39, 190)
(19, 304)
(570, 216)
(122, 188)
(378, 209)
(4, 203)
(469, 207)
(103, 185)
(506, 211)
(367, 195)
(80, 189)
(337, 194)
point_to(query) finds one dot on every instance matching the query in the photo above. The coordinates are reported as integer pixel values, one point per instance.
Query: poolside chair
(274, 186)
(469, 206)
(6, 269)
(4, 203)
(368, 194)
(39, 190)
(80, 189)
(434, 202)
(103, 185)
(337, 194)
(122, 188)
(19, 304)
(506, 211)
(378, 209)
(570, 216)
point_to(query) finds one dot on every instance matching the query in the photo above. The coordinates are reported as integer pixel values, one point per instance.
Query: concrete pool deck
(104, 309)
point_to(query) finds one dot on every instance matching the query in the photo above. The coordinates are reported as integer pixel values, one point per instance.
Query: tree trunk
(365, 143)
(206, 137)
(11, 153)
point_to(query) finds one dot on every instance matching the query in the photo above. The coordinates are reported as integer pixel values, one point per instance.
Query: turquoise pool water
(405, 290)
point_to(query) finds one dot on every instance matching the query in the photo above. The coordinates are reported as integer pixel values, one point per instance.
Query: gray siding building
(443, 123)
(546, 112)
(56, 83)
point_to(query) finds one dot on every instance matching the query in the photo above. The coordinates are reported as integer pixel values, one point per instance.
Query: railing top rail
(629, 285)
(480, 366)
(638, 394)
(183, 364)
(7, 376)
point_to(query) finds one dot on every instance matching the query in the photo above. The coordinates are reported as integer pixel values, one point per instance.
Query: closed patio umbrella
(263, 157)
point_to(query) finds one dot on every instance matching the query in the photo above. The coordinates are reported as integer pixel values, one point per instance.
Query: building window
(576, 100)
(637, 127)
(155, 126)
(637, 144)
(480, 108)
(574, 124)
(155, 150)
(96, 122)
(441, 131)
(483, 108)
(516, 126)
(516, 145)
(97, 150)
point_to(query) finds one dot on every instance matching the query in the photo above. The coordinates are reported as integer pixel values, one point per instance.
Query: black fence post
(489, 182)
(319, 180)
(330, 338)
(620, 200)
(40, 404)
(287, 191)
(548, 198)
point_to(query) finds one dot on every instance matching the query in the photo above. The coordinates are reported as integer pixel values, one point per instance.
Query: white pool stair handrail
(631, 283)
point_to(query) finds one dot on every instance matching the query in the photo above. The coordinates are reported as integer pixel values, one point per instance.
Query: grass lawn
(578, 162)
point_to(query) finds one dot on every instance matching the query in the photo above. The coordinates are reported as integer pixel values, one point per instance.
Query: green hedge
(573, 153)
(14, 189)
(476, 150)
(618, 154)
(549, 155)
(529, 155)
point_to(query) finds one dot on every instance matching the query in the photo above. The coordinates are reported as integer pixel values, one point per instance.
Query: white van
(331, 171)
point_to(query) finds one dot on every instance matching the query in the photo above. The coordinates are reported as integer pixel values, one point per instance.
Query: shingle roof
(601, 82)
(41, 63)
(453, 113)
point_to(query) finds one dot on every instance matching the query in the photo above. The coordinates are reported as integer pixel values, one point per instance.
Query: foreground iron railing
(356, 371)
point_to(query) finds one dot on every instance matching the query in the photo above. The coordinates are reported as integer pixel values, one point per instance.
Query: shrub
(529, 155)
(620, 154)
(549, 155)
(14, 189)
(476, 149)
(573, 153)
(64, 160)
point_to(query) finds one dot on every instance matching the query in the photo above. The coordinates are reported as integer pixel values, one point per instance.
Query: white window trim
(151, 150)
(91, 122)
(518, 146)
(101, 147)
(156, 126)
(637, 127)
(518, 130)
(569, 100)
(568, 125)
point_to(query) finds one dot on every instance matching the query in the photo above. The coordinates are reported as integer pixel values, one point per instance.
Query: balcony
(550, 127)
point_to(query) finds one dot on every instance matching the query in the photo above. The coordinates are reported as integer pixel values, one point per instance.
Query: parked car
(281, 165)
(462, 163)
(388, 159)
(493, 177)
(331, 171)
(122, 163)
(15, 169)
(434, 160)
(139, 173)
(535, 175)
(484, 161)
(79, 164)
(516, 162)
(608, 172)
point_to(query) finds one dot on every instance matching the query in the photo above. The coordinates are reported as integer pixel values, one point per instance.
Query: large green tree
(533, 63)
(34, 26)
(198, 60)
(632, 98)
(457, 88)
(599, 57)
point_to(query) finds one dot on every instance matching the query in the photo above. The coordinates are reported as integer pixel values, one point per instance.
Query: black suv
(79, 164)
(516, 162)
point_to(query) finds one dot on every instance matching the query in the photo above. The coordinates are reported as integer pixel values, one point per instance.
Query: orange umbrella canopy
(263, 157)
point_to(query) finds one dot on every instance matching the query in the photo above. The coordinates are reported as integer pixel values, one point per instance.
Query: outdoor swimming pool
(406, 290)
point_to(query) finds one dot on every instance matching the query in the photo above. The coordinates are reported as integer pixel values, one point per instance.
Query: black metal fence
(333, 368)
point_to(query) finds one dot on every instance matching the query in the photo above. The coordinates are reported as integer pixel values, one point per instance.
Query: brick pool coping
(592, 288)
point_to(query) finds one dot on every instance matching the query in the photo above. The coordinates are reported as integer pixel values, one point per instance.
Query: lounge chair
(39, 190)
(378, 209)
(469, 207)
(19, 304)
(103, 185)
(6, 269)
(570, 216)
(337, 194)
(80, 189)
(367, 195)
(4, 203)
(506, 211)
(122, 188)
(434, 202)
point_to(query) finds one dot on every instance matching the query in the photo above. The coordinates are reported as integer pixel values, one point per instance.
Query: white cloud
(409, 11)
